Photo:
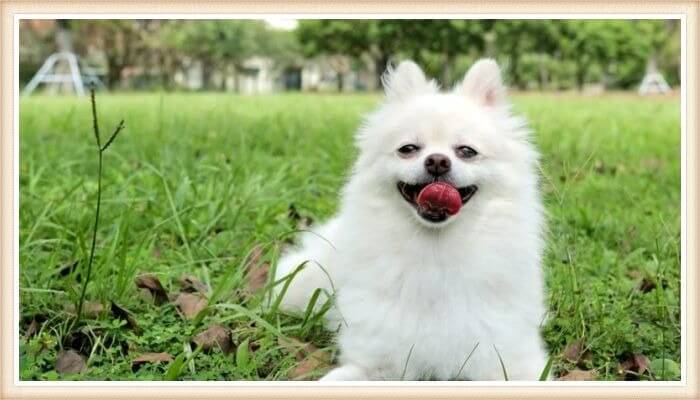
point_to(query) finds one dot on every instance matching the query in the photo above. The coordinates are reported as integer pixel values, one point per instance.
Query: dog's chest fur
(435, 297)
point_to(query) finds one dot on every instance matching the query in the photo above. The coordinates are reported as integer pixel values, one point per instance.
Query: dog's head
(465, 138)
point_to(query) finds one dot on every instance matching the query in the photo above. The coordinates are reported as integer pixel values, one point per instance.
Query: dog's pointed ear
(406, 80)
(483, 83)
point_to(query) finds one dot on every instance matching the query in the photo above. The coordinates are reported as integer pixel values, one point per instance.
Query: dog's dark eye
(465, 152)
(408, 149)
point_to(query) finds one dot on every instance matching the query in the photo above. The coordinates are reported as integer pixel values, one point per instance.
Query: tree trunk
(514, 73)
(447, 70)
(224, 74)
(380, 64)
(114, 72)
(340, 82)
(206, 75)
(580, 76)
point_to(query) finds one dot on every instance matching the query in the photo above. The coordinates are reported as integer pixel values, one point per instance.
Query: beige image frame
(9, 387)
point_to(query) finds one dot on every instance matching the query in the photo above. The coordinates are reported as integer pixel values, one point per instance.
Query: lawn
(210, 187)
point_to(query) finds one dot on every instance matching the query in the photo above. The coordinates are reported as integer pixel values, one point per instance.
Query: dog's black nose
(437, 164)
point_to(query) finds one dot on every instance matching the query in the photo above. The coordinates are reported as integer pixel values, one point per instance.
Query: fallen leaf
(257, 277)
(91, 309)
(216, 336)
(633, 366)
(78, 340)
(294, 346)
(317, 363)
(573, 351)
(152, 283)
(32, 329)
(70, 362)
(599, 166)
(152, 358)
(585, 359)
(646, 285)
(191, 284)
(579, 375)
(257, 271)
(122, 314)
(190, 304)
(253, 346)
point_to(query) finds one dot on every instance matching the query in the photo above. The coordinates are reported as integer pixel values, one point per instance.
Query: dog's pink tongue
(440, 196)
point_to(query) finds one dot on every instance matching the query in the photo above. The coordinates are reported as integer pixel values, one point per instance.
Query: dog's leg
(315, 258)
(348, 372)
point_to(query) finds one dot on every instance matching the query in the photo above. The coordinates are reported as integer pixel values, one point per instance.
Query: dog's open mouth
(436, 201)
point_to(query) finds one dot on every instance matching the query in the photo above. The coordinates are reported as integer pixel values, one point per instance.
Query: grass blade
(503, 366)
(545, 372)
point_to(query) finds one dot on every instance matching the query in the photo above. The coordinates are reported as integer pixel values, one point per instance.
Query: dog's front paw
(346, 373)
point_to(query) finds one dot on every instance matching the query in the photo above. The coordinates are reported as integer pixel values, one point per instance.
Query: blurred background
(264, 56)
(236, 135)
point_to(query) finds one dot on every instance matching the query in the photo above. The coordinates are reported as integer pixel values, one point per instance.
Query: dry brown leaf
(190, 304)
(297, 347)
(32, 329)
(216, 336)
(585, 359)
(152, 283)
(152, 358)
(256, 270)
(599, 166)
(579, 375)
(573, 351)
(646, 285)
(633, 366)
(191, 284)
(91, 309)
(317, 363)
(70, 362)
(257, 277)
(121, 313)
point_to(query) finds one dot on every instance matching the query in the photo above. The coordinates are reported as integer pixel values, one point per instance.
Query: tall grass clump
(101, 148)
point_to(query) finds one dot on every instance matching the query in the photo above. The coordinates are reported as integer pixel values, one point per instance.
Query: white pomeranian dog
(434, 257)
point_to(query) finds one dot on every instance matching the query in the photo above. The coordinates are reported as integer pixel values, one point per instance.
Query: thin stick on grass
(100, 150)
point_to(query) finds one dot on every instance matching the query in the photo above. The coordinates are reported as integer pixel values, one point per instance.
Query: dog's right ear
(406, 80)
(484, 84)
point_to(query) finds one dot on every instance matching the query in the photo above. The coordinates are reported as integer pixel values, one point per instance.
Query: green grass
(196, 180)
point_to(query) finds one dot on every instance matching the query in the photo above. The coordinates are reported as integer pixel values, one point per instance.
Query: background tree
(337, 40)
(543, 54)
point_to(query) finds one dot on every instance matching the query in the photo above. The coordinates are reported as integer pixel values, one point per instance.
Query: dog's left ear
(483, 83)
(406, 80)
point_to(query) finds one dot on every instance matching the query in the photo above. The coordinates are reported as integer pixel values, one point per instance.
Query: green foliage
(537, 53)
(218, 41)
(544, 54)
(200, 179)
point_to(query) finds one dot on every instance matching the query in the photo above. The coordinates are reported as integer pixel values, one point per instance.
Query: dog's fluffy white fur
(414, 298)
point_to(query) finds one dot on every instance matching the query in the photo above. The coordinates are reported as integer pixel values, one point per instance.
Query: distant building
(255, 75)
(259, 75)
